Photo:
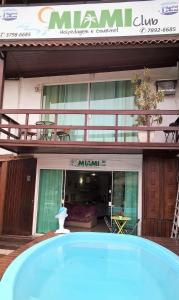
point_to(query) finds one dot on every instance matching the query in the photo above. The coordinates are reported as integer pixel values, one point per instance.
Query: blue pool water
(93, 266)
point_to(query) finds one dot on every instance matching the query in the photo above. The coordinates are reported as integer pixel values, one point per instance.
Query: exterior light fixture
(168, 87)
(37, 88)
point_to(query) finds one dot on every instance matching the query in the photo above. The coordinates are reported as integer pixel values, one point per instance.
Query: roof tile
(91, 42)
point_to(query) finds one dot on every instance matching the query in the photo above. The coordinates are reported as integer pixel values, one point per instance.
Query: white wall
(11, 94)
(27, 92)
(11, 97)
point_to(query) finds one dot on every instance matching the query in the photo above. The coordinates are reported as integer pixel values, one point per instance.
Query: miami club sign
(85, 163)
(89, 20)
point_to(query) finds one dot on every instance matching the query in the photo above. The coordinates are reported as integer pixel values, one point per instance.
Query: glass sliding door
(68, 96)
(102, 96)
(49, 201)
(125, 195)
(108, 95)
(113, 95)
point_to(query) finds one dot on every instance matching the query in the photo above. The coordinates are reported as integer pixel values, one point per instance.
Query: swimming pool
(93, 266)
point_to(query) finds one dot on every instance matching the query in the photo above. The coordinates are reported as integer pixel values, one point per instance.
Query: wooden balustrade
(27, 130)
(7, 130)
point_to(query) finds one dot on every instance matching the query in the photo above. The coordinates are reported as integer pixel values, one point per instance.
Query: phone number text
(12, 35)
(164, 29)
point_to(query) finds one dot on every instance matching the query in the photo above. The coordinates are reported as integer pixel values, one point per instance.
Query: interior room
(87, 197)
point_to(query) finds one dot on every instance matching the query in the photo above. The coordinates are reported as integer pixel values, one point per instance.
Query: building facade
(68, 117)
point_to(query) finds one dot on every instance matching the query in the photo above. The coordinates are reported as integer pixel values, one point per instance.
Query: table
(120, 222)
(45, 133)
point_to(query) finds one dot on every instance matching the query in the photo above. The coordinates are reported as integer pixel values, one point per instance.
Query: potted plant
(146, 98)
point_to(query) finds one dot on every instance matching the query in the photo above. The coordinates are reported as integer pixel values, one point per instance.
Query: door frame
(112, 198)
(114, 162)
(97, 171)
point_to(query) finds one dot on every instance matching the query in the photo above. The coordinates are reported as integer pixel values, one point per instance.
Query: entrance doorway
(88, 196)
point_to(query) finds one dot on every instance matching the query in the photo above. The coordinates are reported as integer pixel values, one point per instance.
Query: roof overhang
(29, 147)
(25, 58)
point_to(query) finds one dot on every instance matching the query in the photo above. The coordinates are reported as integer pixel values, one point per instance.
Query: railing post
(26, 123)
(148, 132)
(55, 131)
(9, 131)
(85, 130)
(116, 131)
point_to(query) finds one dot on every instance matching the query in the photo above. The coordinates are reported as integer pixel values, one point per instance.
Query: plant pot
(142, 136)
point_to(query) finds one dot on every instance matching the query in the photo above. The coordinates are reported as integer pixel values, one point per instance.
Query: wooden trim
(1, 81)
(3, 181)
(8, 157)
(91, 127)
(15, 141)
(90, 112)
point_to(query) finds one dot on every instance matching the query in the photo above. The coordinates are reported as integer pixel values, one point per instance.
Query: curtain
(118, 192)
(125, 195)
(114, 95)
(69, 96)
(131, 196)
(49, 201)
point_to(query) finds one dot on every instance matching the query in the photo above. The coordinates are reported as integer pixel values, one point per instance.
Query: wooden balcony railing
(84, 126)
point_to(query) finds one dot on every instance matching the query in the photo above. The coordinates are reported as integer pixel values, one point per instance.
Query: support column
(3, 185)
(2, 60)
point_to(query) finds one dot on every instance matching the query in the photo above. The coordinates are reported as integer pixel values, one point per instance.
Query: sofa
(81, 215)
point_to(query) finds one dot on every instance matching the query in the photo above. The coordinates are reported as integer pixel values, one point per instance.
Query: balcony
(85, 131)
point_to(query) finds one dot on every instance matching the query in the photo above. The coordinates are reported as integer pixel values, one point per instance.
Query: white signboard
(88, 163)
(89, 20)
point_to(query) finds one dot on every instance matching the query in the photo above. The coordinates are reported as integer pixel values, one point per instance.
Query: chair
(30, 134)
(62, 134)
(112, 228)
(169, 133)
(174, 134)
(132, 229)
(177, 132)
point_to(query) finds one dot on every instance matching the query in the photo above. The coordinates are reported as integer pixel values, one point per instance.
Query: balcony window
(113, 95)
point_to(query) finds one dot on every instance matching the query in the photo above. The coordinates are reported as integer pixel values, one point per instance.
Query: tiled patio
(6, 259)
